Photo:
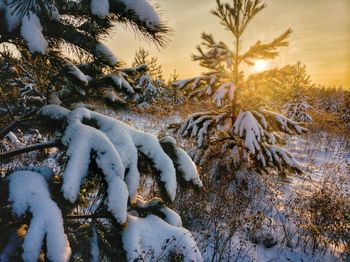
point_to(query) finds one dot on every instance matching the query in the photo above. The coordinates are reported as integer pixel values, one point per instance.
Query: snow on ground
(145, 122)
(320, 154)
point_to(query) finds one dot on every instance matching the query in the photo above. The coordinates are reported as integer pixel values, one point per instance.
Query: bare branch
(15, 123)
(49, 144)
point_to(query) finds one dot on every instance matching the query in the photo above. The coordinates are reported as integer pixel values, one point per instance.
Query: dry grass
(330, 122)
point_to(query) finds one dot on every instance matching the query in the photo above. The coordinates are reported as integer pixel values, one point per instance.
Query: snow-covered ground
(323, 156)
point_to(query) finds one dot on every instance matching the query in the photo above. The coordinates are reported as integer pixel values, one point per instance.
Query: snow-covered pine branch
(116, 145)
(298, 111)
(207, 85)
(28, 191)
(199, 125)
(254, 133)
(35, 19)
(49, 28)
(91, 138)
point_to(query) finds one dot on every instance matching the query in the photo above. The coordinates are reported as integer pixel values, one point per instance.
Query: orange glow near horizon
(321, 37)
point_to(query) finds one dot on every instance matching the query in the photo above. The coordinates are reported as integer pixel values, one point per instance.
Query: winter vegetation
(109, 160)
(248, 131)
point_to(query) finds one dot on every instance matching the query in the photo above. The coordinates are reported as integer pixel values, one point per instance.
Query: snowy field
(323, 157)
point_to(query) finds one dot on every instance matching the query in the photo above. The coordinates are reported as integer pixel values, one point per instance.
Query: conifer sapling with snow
(294, 93)
(149, 83)
(240, 128)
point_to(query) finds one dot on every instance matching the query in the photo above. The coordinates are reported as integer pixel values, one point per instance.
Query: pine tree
(240, 127)
(88, 207)
(66, 37)
(294, 94)
(149, 82)
(177, 97)
(143, 57)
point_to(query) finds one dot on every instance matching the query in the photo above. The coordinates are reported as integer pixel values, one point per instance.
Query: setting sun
(260, 65)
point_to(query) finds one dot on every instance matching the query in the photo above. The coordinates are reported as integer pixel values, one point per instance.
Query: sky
(321, 37)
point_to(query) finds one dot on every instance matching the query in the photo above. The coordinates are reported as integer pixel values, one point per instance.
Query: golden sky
(321, 37)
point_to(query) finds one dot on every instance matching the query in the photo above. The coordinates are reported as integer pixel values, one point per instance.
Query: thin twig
(15, 123)
(93, 216)
(10, 127)
(49, 144)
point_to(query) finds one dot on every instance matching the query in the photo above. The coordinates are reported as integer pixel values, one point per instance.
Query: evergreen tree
(294, 93)
(87, 207)
(53, 31)
(143, 57)
(177, 97)
(240, 128)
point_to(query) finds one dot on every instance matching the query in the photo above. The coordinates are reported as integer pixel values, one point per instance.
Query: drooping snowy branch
(145, 11)
(29, 192)
(254, 133)
(247, 127)
(282, 123)
(106, 55)
(116, 146)
(298, 111)
(198, 125)
(184, 165)
(208, 85)
(35, 27)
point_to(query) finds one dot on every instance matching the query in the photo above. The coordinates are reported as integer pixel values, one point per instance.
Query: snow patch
(100, 8)
(29, 192)
(106, 54)
(145, 12)
(31, 31)
(153, 235)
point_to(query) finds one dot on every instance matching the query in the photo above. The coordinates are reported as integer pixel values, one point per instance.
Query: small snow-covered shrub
(298, 111)
(149, 91)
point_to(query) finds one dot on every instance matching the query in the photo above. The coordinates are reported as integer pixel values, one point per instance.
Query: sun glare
(260, 65)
